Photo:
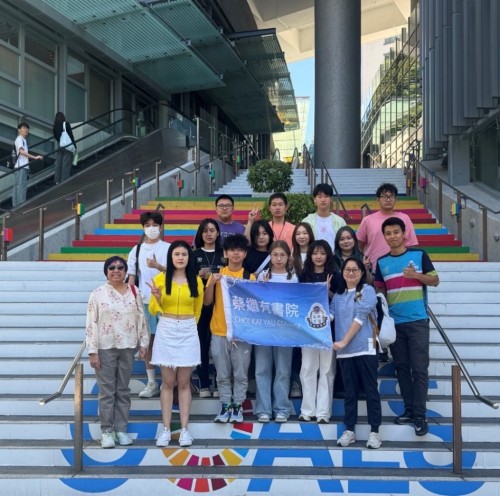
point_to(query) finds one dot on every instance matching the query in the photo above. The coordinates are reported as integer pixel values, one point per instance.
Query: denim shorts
(152, 320)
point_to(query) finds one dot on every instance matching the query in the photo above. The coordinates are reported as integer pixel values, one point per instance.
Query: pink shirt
(370, 233)
(283, 231)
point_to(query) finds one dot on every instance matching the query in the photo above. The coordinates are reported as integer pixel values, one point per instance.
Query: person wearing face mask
(145, 261)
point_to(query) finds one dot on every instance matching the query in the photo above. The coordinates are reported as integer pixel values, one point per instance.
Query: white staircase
(42, 319)
(347, 181)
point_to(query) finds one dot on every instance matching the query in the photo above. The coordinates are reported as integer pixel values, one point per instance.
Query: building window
(76, 69)
(99, 97)
(9, 62)
(39, 90)
(9, 32)
(76, 103)
(9, 92)
(486, 158)
(40, 49)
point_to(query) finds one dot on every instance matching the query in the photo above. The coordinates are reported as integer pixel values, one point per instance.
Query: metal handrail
(88, 186)
(459, 196)
(86, 153)
(459, 362)
(37, 145)
(457, 190)
(66, 377)
(77, 367)
(338, 198)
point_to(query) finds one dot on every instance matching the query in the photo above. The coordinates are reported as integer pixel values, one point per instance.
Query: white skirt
(176, 343)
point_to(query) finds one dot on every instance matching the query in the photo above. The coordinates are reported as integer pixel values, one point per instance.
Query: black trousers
(205, 336)
(360, 374)
(410, 353)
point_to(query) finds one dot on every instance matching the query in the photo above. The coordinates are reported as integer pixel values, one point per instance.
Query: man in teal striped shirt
(403, 275)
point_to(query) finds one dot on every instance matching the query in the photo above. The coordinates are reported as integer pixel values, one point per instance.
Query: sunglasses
(116, 267)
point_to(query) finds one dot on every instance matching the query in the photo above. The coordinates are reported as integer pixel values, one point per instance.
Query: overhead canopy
(294, 21)
(177, 46)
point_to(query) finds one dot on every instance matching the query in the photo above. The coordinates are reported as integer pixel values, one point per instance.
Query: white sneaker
(264, 418)
(215, 394)
(346, 439)
(281, 418)
(322, 420)
(185, 438)
(107, 440)
(304, 418)
(205, 393)
(164, 438)
(123, 439)
(374, 441)
(151, 389)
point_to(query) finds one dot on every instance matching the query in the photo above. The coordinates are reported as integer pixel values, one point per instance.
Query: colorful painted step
(130, 241)
(182, 217)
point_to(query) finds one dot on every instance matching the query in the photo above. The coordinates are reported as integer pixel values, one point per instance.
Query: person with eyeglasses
(224, 207)
(356, 350)
(370, 238)
(115, 328)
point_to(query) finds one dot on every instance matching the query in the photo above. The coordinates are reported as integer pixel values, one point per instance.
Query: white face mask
(152, 232)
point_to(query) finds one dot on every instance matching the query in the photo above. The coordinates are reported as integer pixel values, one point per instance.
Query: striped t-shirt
(406, 297)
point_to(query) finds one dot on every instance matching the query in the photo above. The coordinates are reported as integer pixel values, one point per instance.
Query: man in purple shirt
(224, 206)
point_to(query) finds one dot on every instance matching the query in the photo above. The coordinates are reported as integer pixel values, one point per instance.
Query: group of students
(185, 298)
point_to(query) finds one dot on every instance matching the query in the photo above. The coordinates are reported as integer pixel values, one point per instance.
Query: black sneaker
(421, 427)
(224, 415)
(405, 418)
(383, 357)
(236, 413)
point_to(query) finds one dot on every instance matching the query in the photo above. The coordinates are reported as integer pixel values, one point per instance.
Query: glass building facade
(48, 64)
(288, 141)
(391, 121)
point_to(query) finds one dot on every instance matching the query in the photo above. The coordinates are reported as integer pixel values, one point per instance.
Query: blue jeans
(20, 186)
(272, 396)
(152, 319)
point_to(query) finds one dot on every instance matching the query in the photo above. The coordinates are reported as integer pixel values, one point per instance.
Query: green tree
(299, 206)
(270, 176)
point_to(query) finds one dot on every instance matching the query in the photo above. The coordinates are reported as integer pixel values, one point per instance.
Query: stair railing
(326, 178)
(45, 171)
(425, 176)
(74, 195)
(295, 159)
(461, 364)
(309, 169)
(77, 367)
(456, 395)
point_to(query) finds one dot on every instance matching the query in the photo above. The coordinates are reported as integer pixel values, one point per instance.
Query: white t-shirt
(324, 230)
(21, 159)
(146, 274)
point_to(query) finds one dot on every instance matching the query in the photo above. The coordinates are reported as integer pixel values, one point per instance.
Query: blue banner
(277, 314)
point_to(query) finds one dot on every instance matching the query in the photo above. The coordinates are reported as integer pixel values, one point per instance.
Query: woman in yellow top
(177, 297)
